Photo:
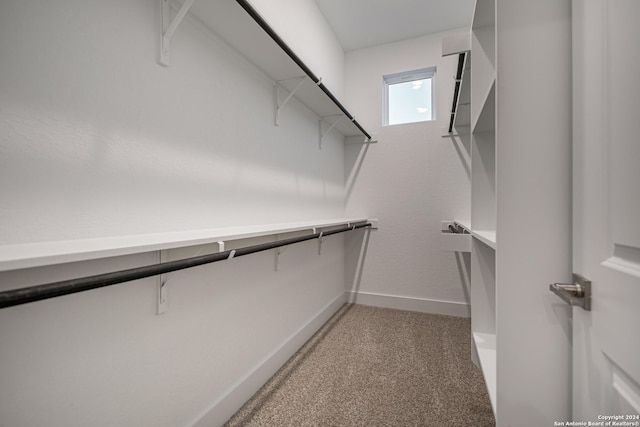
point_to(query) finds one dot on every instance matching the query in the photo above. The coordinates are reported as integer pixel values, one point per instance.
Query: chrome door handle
(577, 293)
(575, 289)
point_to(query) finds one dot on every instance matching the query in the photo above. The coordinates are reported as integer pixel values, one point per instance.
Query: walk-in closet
(319, 213)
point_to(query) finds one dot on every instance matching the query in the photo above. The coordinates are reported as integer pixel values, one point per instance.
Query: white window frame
(408, 76)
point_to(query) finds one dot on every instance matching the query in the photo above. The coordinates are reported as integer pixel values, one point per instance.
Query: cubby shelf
(488, 237)
(486, 349)
(485, 119)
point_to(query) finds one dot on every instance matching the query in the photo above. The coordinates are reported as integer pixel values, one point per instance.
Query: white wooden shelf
(239, 25)
(455, 242)
(14, 257)
(486, 350)
(460, 115)
(464, 224)
(488, 237)
(464, 100)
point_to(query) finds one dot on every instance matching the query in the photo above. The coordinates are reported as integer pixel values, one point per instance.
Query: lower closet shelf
(39, 254)
(486, 349)
(455, 237)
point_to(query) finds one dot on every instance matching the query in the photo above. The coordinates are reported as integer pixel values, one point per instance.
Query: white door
(606, 209)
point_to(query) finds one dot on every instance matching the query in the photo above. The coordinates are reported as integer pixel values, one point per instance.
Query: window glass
(409, 97)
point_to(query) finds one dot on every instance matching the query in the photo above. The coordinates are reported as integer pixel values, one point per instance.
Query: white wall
(104, 358)
(97, 139)
(410, 180)
(302, 26)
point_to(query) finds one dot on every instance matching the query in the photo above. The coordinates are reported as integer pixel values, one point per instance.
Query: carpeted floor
(371, 366)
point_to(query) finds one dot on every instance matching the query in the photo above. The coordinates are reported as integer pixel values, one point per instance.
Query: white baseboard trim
(236, 396)
(422, 305)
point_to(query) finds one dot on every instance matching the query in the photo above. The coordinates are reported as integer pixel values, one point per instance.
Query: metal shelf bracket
(278, 86)
(169, 27)
(320, 243)
(162, 303)
(332, 125)
(278, 252)
(277, 259)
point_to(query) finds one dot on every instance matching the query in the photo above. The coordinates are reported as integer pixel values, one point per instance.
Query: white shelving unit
(483, 192)
(520, 126)
(241, 26)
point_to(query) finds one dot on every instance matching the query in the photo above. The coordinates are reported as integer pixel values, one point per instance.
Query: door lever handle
(575, 288)
(577, 293)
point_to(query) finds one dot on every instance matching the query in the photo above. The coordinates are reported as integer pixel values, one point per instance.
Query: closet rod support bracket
(332, 125)
(320, 243)
(162, 302)
(280, 105)
(276, 266)
(169, 27)
(277, 253)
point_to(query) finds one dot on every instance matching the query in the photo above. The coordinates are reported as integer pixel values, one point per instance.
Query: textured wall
(302, 26)
(97, 139)
(410, 180)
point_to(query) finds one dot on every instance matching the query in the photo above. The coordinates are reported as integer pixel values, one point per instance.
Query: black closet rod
(456, 92)
(276, 38)
(51, 290)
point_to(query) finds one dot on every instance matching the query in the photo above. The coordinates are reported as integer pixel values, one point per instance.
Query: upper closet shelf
(460, 45)
(463, 111)
(242, 27)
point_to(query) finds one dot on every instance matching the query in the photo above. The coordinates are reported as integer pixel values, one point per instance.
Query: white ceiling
(364, 23)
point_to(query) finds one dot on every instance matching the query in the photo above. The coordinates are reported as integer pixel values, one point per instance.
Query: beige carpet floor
(371, 366)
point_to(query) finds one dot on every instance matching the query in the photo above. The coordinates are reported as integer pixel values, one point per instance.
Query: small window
(408, 97)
